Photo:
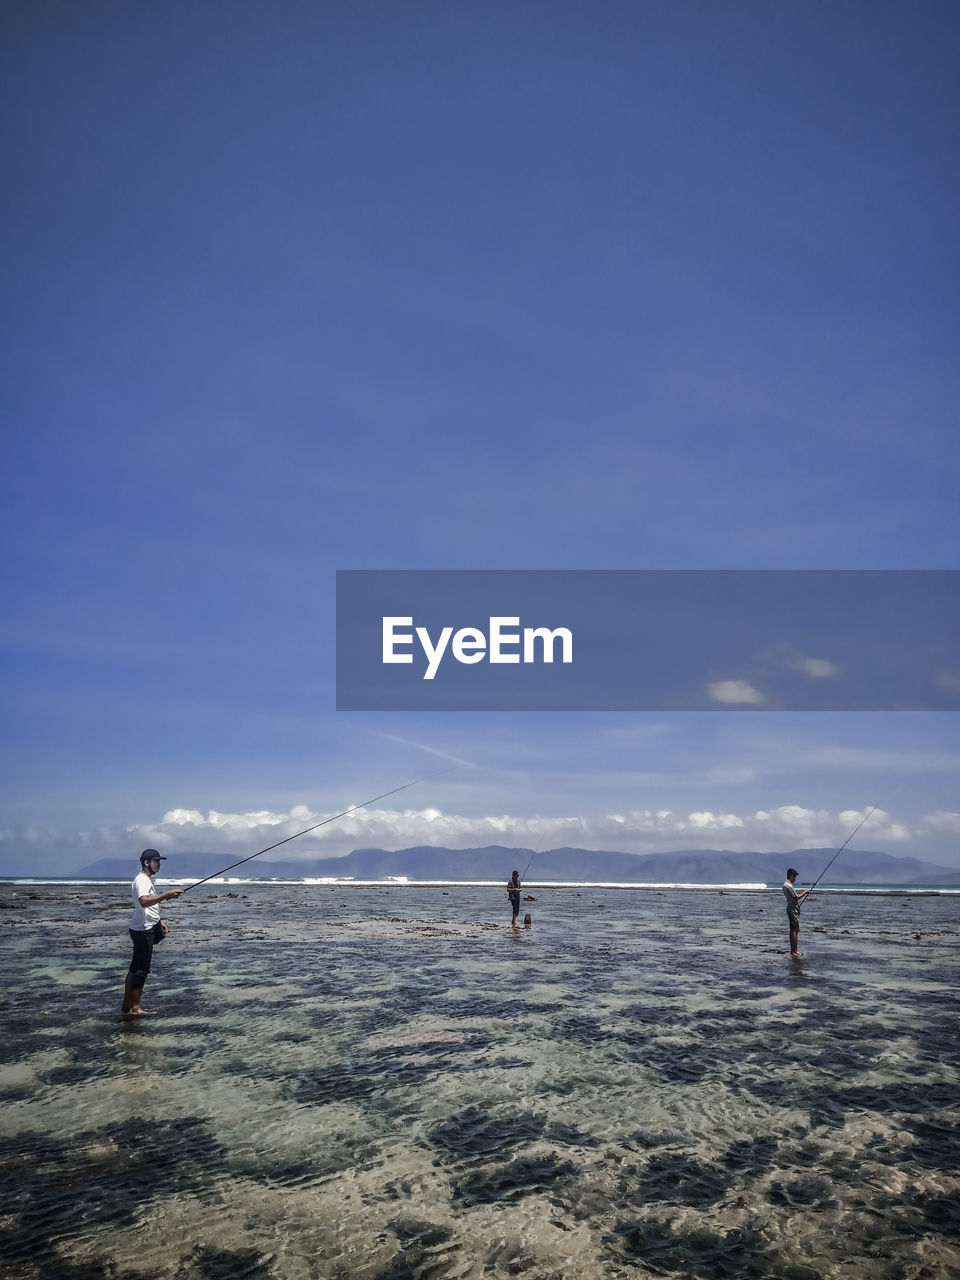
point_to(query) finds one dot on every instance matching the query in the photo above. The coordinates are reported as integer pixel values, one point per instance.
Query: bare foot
(796, 955)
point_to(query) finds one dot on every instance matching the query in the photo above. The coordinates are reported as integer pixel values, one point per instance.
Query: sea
(386, 1081)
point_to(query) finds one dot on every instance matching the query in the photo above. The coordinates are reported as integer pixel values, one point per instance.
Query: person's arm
(151, 899)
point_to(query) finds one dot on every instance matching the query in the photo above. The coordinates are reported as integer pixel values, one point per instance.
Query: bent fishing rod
(296, 835)
(839, 851)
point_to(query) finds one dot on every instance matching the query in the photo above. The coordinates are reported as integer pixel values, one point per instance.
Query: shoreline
(886, 890)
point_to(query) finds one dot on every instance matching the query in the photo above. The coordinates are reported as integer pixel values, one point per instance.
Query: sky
(299, 288)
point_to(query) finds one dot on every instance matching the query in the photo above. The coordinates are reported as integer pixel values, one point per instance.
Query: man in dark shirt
(513, 893)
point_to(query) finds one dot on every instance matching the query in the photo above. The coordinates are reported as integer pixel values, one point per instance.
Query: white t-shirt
(143, 917)
(790, 893)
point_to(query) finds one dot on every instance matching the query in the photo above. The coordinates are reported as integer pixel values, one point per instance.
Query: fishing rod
(532, 856)
(840, 850)
(296, 835)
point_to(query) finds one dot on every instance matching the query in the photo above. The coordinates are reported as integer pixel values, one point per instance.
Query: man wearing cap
(793, 909)
(143, 924)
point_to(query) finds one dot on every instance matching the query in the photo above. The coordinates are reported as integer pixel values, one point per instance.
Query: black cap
(149, 854)
(792, 871)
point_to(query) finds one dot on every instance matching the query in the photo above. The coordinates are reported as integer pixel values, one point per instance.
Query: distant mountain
(495, 862)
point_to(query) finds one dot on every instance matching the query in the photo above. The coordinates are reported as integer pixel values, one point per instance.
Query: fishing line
(532, 856)
(296, 835)
(839, 851)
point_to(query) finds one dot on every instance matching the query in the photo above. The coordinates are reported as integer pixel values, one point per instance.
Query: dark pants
(142, 954)
(515, 903)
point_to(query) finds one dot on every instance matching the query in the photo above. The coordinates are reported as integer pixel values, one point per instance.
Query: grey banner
(657, 640)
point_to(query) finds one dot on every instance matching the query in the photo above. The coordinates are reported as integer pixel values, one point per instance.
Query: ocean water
(388, 1082)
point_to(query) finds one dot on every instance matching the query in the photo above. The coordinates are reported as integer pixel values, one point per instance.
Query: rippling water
(373, 1083)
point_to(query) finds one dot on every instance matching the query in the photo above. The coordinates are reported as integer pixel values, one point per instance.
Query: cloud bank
(636, 831)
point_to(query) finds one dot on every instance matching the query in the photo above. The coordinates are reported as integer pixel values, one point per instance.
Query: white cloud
(942, 820)
(815, 668)
(184, 817)
(706, 821)
(734, 691)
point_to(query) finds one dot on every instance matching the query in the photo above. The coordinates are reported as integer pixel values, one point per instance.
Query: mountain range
(495, 862)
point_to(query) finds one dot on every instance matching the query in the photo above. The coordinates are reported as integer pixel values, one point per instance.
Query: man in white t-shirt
(793, 909)
(143, 923)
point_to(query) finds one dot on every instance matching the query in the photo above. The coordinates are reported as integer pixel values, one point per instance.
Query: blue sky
(309, 287)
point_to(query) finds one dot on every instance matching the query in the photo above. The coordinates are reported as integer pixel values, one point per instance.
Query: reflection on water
(345, 1082)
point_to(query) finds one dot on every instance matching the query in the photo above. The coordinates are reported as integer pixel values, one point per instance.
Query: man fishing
(513, 893)
(793, 909)
(146, 928)
(794, 899)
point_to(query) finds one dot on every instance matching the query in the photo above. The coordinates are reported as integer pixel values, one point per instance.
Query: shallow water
(377, 1082)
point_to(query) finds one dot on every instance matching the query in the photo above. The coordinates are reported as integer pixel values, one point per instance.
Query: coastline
(397, 882)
